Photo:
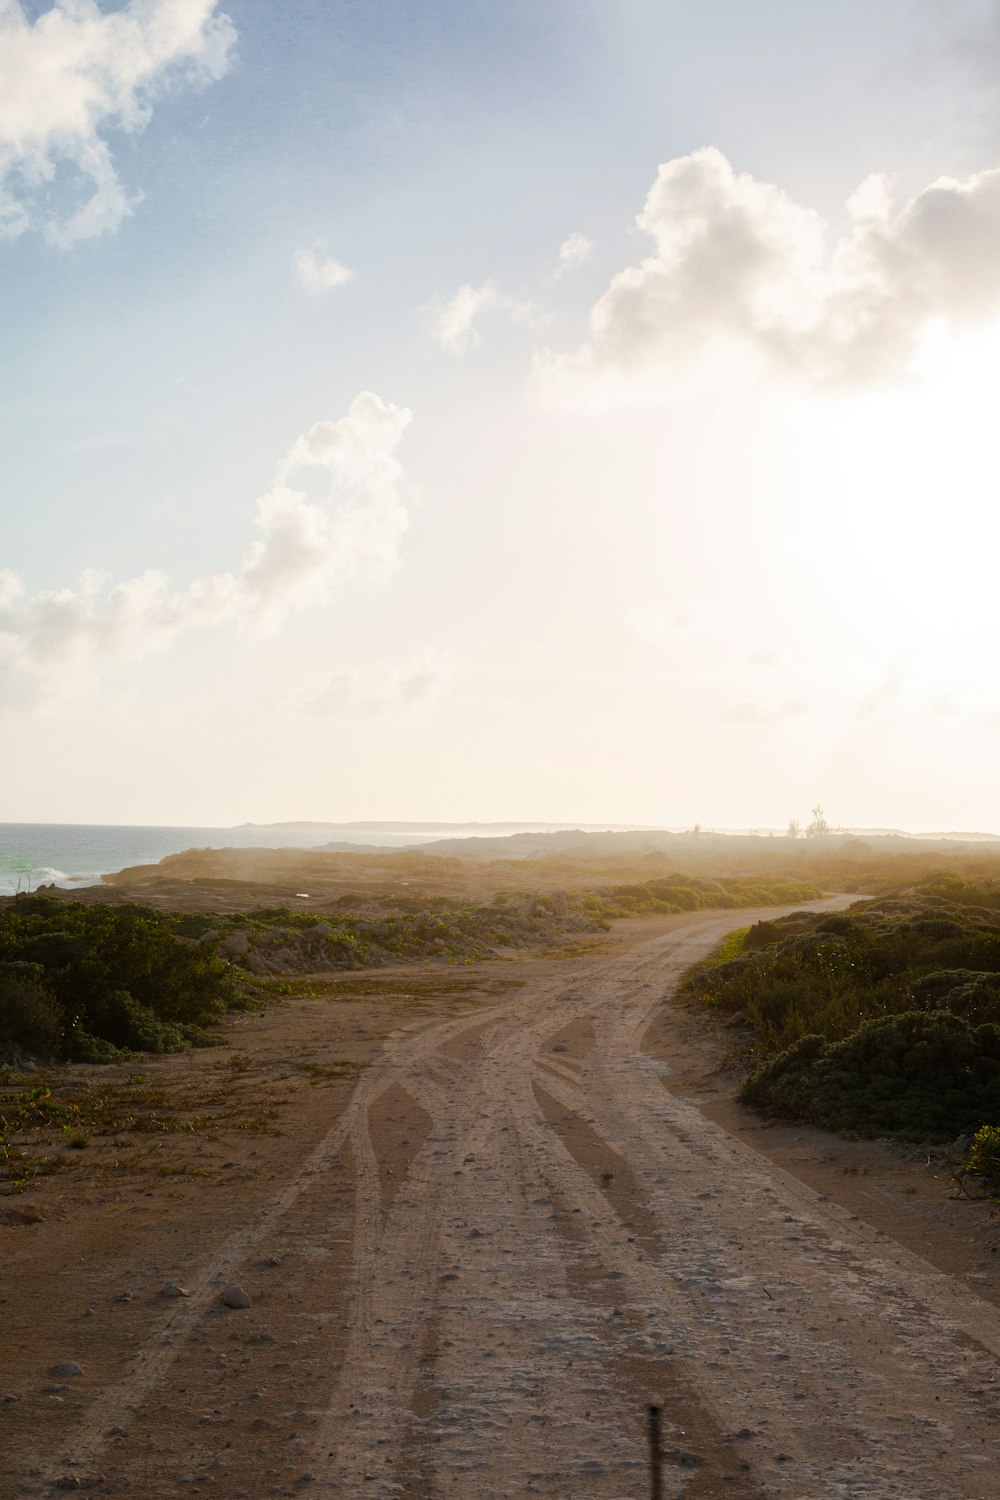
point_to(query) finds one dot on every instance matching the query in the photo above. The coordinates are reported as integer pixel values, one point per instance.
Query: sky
(500, 409)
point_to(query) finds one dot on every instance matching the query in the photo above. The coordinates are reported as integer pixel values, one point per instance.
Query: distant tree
(819, 825)
(794, 828)
(696, 828)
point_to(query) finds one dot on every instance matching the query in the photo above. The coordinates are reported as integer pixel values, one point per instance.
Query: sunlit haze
(479, 409)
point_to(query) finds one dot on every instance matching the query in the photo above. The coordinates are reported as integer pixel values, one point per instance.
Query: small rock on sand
(66, 1368)
(235, 1296)
(171, 1289)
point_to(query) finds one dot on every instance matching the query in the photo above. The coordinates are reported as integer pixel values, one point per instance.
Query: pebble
(171, 1289)
(235, 1296)
(66, 1369)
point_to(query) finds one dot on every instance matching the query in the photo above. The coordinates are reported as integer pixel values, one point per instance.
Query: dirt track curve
(560, 1241)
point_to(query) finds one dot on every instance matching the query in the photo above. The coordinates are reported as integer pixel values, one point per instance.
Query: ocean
(70, 854)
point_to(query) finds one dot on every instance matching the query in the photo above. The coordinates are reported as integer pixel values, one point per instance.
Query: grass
(319, 1073)
(583, 949)
(730, 948)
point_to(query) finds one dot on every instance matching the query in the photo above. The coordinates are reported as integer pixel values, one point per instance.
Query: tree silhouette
(819, 825)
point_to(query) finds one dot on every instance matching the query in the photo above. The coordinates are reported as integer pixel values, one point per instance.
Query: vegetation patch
(916, 1076)
(95, 982)
(64, 1113)
(881, 1020)
(983, 1163)
(670, 894)
(92, 983)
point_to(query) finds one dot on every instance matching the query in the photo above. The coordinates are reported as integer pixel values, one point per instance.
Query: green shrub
(115, 977)
(918, 1075)
(30, 1018)
(984, 1156)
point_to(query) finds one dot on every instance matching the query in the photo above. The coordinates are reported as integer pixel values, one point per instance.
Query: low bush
(677, 893)
(916, 1076)
(984, 1157)
(880, 1020)
(88, 982)
(30, 1018)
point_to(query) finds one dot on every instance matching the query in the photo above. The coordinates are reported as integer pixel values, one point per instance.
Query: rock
(66, 1369)
(235, 944)
(235, 1296)
(171, 1289)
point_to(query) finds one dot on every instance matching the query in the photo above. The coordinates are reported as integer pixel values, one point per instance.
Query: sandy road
(560, 1240)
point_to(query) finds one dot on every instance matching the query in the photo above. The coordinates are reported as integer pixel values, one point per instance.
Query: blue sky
(652, 544)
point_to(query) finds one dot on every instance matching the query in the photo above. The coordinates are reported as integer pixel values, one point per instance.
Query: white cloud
(304, 550)
(72, 75)
(453, 323)
(741, 275)
(318, 273)
(574, 251)
(377, 690)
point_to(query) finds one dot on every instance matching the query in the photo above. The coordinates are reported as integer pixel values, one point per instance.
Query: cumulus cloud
(74, 74)
(741, 272)
(574, 251)
(453, 323)
(303, 551)
(378, 690)
(318, 273)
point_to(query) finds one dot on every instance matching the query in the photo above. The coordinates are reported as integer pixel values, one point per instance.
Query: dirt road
(512, 1239)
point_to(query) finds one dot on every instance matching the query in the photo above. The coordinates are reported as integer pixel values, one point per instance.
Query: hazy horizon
(500, 406)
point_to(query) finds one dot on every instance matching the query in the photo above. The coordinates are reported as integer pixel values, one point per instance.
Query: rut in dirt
(561, 1241)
